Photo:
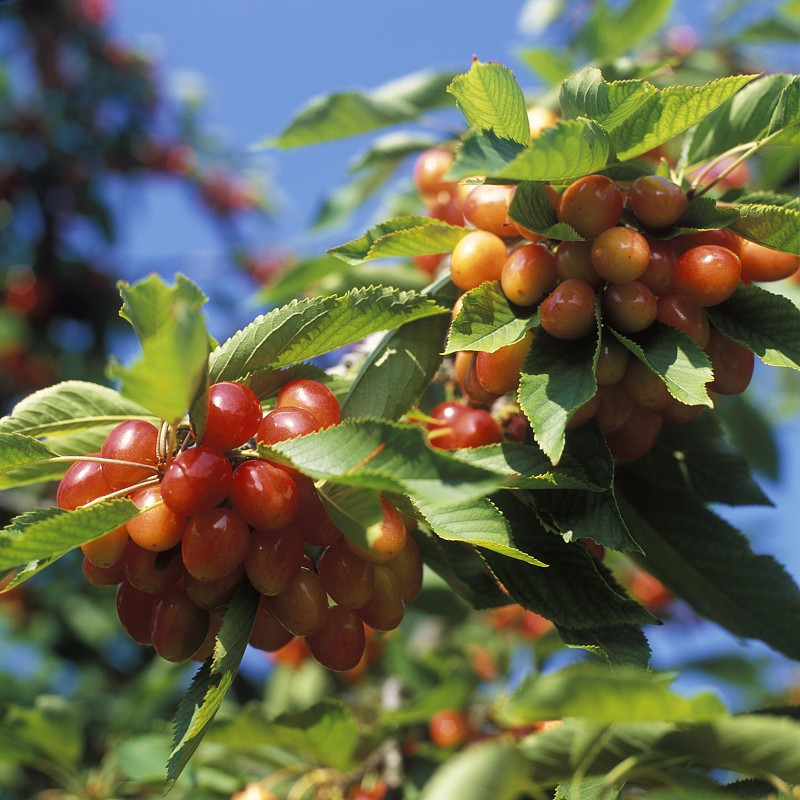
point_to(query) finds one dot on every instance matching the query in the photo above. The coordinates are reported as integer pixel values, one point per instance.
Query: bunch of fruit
(215, 515)
(625, 263)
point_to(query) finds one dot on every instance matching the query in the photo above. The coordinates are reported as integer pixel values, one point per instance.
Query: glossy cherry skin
(676, 310)
(620, 254)
(636, 436)
(645, 387)
(574, 260)
(613, 408)
(286, 423)
(340, 641)
(486, 207)
(311, 519)
(475, 428)
(264, 495)
(314, 397)
(732, 363)
(347, 577)
(274, 559)
(197, 480)
(268, 634)
(213, 594)
(151, 572)
(721, 237)
(499, 372)
(214, 544)
(707, 275)
(528, 273)
(407, 568)
(158, 528)
(590, 205)
(612, 360)
(477, 258)
(179, 626)
(444, 413)
(656, 201)
(389, 540)
(568, 312)
(301, 607)
(133, 440)
(430, 169)
(629, 307)
(135, 612)
(103, 576)
(761, 263)
(385, 609)
(659, 277)
(234, 414)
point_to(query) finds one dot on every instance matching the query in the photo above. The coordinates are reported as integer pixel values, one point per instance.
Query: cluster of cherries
(639, 278)
(215, 514)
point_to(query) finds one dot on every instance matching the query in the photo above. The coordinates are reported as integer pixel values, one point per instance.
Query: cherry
(568, 311)
(264, 495)
(679, 412)
(158, 528)
(213, 594)
(498, 372)
(311, 519)
(347, 577)
(274, 559)
(234, 414)
(486, 207)
(268, 634)
(301, 607)
(206, 650)
(314, 397)
(656, 201)
(385, 610)
(286, 423)
(659, 277)
(475, 428)
(151, 572)
(574, 260)
(387, 542)
(620, 255)
(613, 408)
(612, 360)
(708, 274)
(590, 205)
(720, 237)
(103, 576)
(629, 307)
(133, 440)
(215, 542)
(179, 626)
(197, 480)
(650, 592)
(428, 262)
(448, 211)
(645, 387)
(340, 642)
(636, 436)
(676, 310)
(528, 273)
(470, 385)
(761, 263)
(135, 612)
(407, 568)
(732, 363)
(584, 413)
(449, 728)
(477, 258)
(444, 413)
(430, 169)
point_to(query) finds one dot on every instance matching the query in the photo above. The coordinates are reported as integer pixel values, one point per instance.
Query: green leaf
(608, 34)
(343, 114)
(785, 122)
(202, 700)
(531, 207)
(398, 371)
(709, 564)
(46, 532)
(61, 410)
(401, 236)
(384, 456)
(391, 146)
(702, 214)
(552, 67)
(175, 346)
(557, 379)
(590, 789)
(326, 733)
(477, 522)
(770, 29)
(355, 510)
(558, 155)
(490, 769)
(308, 328)
(483, 153)
(491, 99)
(16, 451)
(462, 569)
(777, 227)
(741, 119)
(487, 321)
(682, 363)
(765, 323)
(594, 692)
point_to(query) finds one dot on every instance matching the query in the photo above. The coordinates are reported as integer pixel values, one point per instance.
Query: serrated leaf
(531, 207)
(741, 119)
(175, 346)
(401, 236)
(709, 564)
(202, 700)
(575, 592)
(560, 154)
(394, 377)
(489, 769)
(308, 328)
(483, 153)
(777, 227)
(384, 456)
(487, 321)
(608, 34)
(46, 532)
(593, 692)
(68, 407)
(590, 789)
(477, 522)
(17, 450)
(344, 114)
(355, 510)
(491, 99)
(765, 323)
(680, 361)
(624, 645)
(557, 379)
(785, 122)
(702, 214)
(770, 198)
(462, 569)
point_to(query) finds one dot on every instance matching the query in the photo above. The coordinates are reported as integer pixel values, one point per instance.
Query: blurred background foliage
(86, 122)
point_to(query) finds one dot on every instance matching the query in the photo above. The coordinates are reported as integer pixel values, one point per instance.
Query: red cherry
(197, 480)
(314, 397)
(264, 495)
(234, 414)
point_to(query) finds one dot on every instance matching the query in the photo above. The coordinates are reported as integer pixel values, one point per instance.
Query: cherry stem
(161, 444)
(122, 492)
(439, 432)
(98, 460)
